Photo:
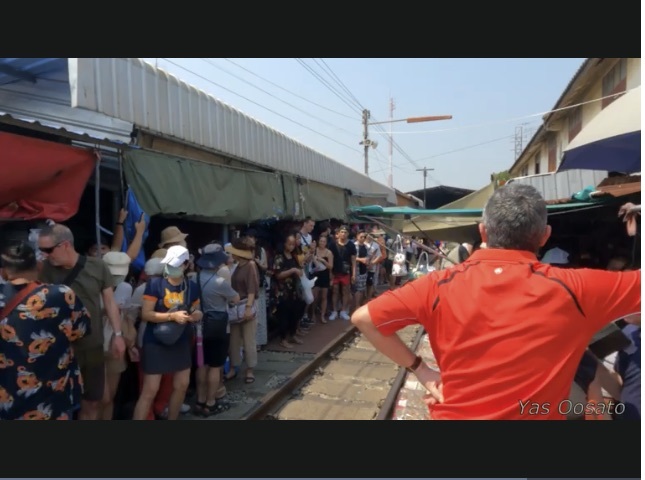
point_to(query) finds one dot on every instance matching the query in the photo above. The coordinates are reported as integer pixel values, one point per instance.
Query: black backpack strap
(80, 263)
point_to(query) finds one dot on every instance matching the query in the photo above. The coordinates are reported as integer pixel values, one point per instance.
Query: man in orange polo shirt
(507, 331)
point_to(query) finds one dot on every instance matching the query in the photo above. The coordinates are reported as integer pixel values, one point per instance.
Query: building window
(525, 171)
(575, 122)
(614, 81)
(537, 164)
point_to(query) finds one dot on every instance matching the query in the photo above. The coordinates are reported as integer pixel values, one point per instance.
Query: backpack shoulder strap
(80, 263)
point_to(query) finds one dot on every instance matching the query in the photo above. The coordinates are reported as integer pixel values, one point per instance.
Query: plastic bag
(306, 287)
(423, 266)
(399, 266)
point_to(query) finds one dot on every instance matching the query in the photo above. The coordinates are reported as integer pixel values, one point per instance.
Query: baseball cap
(176, 256)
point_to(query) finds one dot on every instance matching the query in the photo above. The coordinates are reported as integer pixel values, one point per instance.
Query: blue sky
(488, 99)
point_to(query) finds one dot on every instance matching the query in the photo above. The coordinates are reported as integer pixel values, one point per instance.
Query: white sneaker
(344, 315)
(184, 408)
(333, 316)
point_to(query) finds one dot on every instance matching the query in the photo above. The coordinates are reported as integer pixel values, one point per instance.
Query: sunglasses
(49, 250)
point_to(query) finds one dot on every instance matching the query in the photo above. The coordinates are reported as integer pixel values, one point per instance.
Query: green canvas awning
(293, 204)
(323, 202)
(167, 184)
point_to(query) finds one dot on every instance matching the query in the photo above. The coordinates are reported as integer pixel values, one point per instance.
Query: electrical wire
(213, 64)
(515, 119)
(261, 106)
(353, 98)
(325, 83)
(338, 81)
(289, 91)
(466, 148)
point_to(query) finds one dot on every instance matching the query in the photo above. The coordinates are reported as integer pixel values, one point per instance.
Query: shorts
(216, 351)
(91, 362)
(370, 279)
(342, 280)
(387, 264)
(361, 282)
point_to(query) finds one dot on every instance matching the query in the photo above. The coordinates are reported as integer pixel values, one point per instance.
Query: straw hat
(161, 253)
(240, 249)
(172, 235)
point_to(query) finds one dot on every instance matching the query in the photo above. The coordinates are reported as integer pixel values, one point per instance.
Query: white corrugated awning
(158, 102)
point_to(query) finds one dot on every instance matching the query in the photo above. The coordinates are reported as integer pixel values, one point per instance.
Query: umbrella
(611, 141)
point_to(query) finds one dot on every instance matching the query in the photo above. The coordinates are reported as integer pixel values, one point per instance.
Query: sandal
(217, 408)
(285, 344)
(229, 378)
(249, 379)
(199, 407)
(297, 340)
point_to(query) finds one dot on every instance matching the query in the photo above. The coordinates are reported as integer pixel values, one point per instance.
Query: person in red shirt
(507, 331)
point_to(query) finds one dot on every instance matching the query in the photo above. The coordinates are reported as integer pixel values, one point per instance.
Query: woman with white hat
(169, 305)
(119, 265)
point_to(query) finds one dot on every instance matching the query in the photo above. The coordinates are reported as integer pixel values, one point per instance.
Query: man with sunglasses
(92, 281)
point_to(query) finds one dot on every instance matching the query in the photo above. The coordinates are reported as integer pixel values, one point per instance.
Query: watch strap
(417, 361)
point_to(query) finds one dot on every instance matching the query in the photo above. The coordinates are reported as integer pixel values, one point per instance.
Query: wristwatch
(118, 334)
(417, 361)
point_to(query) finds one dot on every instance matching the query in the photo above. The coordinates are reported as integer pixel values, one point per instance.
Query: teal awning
(377, 210)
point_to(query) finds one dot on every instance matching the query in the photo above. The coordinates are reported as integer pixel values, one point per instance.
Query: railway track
(347, 380)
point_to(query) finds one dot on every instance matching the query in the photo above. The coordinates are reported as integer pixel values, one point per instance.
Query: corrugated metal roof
(156, 101)
(557, 186)
(47, 102)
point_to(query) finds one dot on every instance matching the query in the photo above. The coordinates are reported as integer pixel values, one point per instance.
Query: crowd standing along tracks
(347, 380)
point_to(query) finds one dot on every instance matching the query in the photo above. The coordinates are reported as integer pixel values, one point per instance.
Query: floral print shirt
(39, 376)
(287, 288)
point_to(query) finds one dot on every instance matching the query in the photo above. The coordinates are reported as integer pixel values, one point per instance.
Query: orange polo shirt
(507, 331)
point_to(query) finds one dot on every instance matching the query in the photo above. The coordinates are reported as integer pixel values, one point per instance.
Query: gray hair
(515, 218)
(58, 233)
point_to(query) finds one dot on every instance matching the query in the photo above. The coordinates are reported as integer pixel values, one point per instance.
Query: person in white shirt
(373, 265)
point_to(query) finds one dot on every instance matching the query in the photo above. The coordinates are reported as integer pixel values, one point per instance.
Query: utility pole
(425, 171)
(366, 141)
(390, 177)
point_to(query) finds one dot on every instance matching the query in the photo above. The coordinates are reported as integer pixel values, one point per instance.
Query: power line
(261, 106)
(324, 82)
(277, 98)
(289, 91)
(464, 148)
(515, 119)
(353, 98)
(339, 82)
